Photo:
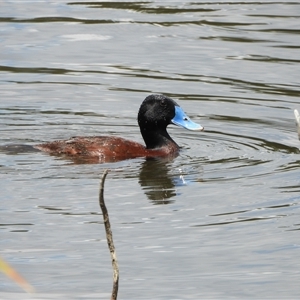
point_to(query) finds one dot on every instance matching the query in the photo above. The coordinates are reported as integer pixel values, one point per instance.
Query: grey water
(220, 221)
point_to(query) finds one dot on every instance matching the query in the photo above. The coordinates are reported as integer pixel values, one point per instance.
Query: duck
(156, 112)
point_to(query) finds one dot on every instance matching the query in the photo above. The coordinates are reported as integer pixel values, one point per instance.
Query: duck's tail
(17, 149)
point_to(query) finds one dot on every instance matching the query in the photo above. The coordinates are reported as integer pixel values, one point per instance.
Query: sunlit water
(221, 220)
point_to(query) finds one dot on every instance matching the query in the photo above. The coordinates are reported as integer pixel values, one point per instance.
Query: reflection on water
(156, 181)
(232, 195)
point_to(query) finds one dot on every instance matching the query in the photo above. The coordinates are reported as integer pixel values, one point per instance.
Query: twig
(297, 117)
(109, 238)
(15, 276)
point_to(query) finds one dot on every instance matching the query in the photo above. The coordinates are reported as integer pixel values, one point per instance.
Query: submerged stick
(109, 238)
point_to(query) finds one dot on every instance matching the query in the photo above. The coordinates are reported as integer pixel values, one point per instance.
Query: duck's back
(104, 148)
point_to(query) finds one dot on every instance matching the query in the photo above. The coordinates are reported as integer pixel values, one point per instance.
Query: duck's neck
(157, 138)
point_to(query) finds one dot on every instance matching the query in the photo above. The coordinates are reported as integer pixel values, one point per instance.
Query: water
(221, 220)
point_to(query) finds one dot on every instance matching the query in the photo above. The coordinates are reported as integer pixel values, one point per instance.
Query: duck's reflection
(155, 177)
(156, 181)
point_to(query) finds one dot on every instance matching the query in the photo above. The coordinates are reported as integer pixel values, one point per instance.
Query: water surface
(221, 220)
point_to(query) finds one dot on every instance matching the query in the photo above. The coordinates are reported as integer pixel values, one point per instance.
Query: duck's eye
(163, 103)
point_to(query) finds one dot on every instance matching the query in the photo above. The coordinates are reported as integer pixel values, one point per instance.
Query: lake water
(220, 221)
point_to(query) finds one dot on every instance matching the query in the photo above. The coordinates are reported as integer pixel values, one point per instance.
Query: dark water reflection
(156, 181)
(230, 216)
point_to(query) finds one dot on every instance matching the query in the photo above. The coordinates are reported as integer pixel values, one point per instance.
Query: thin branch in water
(15, 276)
(109, 239)
(297, 117)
